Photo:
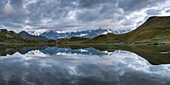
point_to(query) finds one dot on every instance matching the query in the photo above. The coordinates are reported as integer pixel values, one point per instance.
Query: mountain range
(155, 29)
(85, 34)
(24, 34)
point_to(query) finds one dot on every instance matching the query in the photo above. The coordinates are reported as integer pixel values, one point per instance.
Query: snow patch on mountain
(109, 31)
(60, 32)
(81, 35)
(122, 31)
(36, 32)
(85, 34)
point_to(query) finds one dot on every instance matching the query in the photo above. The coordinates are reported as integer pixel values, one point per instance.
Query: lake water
(81, 66)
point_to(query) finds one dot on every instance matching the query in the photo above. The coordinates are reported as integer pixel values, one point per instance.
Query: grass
(11, 37)
(154, 30)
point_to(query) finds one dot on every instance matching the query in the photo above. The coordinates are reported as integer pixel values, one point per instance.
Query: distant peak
(23, 32)
(100, 28)
(60, 31)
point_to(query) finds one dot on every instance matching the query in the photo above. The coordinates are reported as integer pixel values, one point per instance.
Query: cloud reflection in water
(59, 66)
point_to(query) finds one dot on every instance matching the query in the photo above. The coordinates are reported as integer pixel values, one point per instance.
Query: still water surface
(88, 66)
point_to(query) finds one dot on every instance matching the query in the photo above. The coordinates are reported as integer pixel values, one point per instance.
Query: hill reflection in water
(87, 66)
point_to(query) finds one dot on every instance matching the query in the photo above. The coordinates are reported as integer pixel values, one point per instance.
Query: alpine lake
(84, 64)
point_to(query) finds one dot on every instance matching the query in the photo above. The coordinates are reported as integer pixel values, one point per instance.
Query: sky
(77, 15)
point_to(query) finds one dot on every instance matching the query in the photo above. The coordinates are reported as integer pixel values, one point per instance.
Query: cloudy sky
(73, 15)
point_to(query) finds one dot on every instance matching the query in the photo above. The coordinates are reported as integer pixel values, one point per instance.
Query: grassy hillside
(155, 29)
(11, 37)
(72, 40)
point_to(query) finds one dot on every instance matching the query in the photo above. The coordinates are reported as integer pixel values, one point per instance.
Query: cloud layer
(73, 15)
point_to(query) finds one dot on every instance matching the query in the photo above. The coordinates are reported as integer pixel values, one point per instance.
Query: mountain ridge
(24, 34)
(151, 31)
(86, 34)
(156, 29)
(12, 37)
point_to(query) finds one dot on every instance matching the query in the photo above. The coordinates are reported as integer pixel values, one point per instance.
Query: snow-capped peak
(36, 32)
(107, 31)
(81, 35)
(86, 34)
(60, 32)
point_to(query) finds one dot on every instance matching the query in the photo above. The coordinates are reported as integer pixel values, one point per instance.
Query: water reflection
(89, 66)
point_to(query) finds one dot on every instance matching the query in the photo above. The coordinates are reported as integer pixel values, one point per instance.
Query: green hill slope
(155, 29)
(11, 37)
(72, 40)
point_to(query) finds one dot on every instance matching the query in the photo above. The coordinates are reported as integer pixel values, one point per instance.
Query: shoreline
(28, 44)
(122, 43)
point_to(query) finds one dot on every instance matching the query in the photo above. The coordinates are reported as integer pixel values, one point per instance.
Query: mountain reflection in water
(88, 66)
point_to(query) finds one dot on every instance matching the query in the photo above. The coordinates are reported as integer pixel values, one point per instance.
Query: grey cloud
(100, 10)
(91, 3)
(127, 22)
(132, 5)
(17, 4)
(54, 14)
(167, 11)
(136, 5)
(2, 4)
(140, 22)
(44, 9)
(88, 15)
(111, 9)
(36, 12)
(153, 12)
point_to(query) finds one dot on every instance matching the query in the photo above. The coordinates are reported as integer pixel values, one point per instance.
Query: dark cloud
(63, 14)
(127, 22)
(153, 12)
(2, 4)
(92, 3)
(89, 15)
(167, 11)
(133, 5)
(17, 4)
(136, 5)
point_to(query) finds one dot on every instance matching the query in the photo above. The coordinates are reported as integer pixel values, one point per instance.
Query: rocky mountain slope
(26, 35)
